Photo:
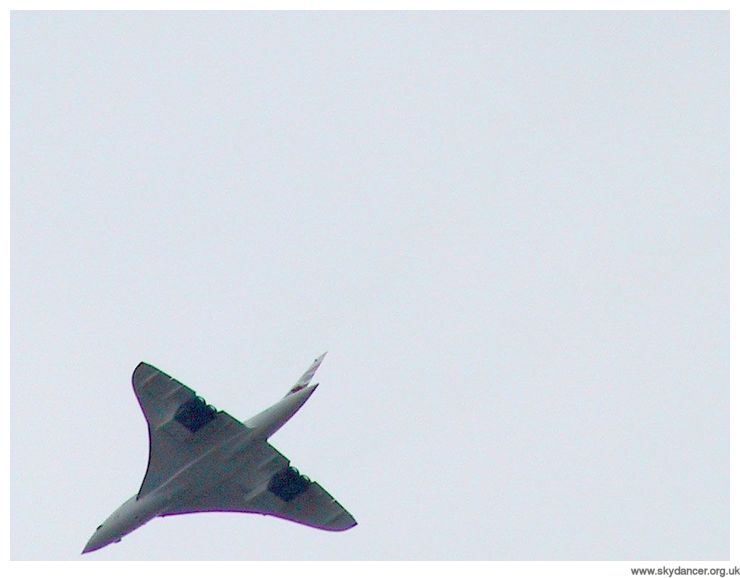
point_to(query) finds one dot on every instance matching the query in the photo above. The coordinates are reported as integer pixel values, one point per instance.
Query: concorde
(204, 460)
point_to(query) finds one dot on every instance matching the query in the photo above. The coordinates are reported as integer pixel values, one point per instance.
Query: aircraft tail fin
(306, 378)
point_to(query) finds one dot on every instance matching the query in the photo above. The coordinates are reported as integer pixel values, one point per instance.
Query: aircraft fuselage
(199, 476)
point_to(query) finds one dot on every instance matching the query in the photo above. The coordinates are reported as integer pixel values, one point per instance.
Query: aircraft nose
(96, 542)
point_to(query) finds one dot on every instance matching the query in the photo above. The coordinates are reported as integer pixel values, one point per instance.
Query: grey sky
(510, 230)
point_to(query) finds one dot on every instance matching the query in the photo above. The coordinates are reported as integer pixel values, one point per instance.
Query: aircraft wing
(181, 425)
(268, 485)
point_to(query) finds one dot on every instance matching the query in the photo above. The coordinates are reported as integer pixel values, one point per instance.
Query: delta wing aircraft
(204, 460)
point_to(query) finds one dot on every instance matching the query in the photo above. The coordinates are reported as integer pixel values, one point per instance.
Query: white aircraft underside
(204, 460)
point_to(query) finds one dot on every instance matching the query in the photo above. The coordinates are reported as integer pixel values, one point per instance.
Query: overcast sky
(510, 230)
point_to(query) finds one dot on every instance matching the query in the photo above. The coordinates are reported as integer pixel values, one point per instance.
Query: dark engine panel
(194, 414)
(288, 484)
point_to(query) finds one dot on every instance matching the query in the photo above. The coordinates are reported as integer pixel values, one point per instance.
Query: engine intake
(288, 484)
(194, 414)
